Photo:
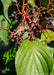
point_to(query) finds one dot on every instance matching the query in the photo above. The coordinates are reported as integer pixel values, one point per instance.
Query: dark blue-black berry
(33, 16)
(25, 30)
(49, 22)
(34, 29)
(28, 34)
(52, 5)
(16, 20)
(19, 38)
(30, 5)
(32, 12)
(12, 2)
(50, 18)
(47, 19)
(17, 44)
(12, 40)
(35, 24)
(14, 30)
(6, 43)
(17, 34)
(9, 31)
(28, 30)
(42, 30)
(39, 31)
(3, 19)
(9, 37)
(14, 12)
(38, 27)
(22, 32)
(44, 12)
(12, 15)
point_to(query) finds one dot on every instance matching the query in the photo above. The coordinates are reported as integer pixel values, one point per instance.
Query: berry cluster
(29, 27)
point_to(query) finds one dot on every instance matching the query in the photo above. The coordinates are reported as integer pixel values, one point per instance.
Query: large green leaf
(4, 15)
(52, 73)
(33, 58)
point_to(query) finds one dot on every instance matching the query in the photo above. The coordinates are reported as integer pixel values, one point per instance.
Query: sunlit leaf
(33, 58)
(48, 35)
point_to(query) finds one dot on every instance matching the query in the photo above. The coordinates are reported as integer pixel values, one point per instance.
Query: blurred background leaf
(4, 15)
(31, 1)
(9, 59)
(44, 2)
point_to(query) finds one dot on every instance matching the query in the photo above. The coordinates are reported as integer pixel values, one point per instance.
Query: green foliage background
(25, 52)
